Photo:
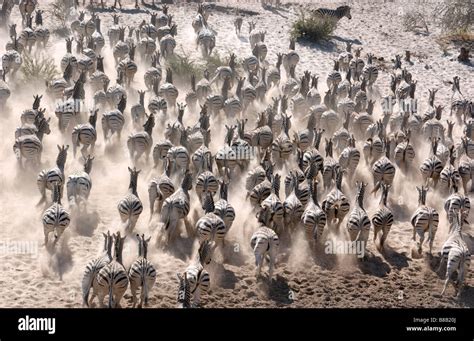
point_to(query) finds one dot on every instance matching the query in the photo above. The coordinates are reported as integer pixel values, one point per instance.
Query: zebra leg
(384, 237)
(442, 262)
(189, 228)
(446, 282)
(197, 296)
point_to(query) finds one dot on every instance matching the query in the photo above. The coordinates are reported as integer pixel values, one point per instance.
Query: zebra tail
(86, 287)
(111, 294)
(145, 289)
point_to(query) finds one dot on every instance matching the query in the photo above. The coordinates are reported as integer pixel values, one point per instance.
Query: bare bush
(414, 21)
(455, 15)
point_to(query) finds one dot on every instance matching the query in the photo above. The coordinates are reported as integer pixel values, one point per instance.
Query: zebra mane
(149, 124)
(100, 63)
(133, 180)
(62, 155)
(56, 193)
(360, 193)
(122, 104)
(276, 184)
(118, 247)
(88, 164)
(329, 147)
(187, 182)
(205, 251)
(224, 190)
(142, 245)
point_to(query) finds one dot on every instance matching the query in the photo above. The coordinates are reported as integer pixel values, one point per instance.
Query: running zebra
(359, 224)
(336, 206)
(425, 219)
(86, 135)
(223, 208)
(383, 169)
(210, 227)
(275, 206)
(449, 176)
(30, 147)
(455, 202)
(198, 277)
(46, 177)
(314, 218)
(131, 206)
(293, 208)
(404, 156)
(431, 168)
(79, 184)
(89, 280)
(141, 143)
(175, 208)
(55, 219)
(265, 245)
(112, 279)
(113, 121)
(159, 189)
(382, 219)
(184, 291)
(142, 273)
(337, 14)
(455, 253)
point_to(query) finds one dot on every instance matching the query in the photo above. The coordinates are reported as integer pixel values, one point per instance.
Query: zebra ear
(148, 240)
(129, 169)
(67, 147)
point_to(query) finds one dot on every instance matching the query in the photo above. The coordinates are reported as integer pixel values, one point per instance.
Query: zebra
(160, 188)
(113, 121)
(265, 243)
(176, 207)
(128, 65)
(142, 142)
(404, 156)
(383, 169)
(314, 218)
(223, 208)
(457, 201)
(121, 48)
(293, 208)
(358, 224)
(112, 279)
(89, 279)
(30, 147)
(370, 72)
(79, 184)
(137, 111)
(130, 207)
(349, 158)
(142, 273)
(466, 171)
(198, 277)
(273, 204)
(282, 147)
(425, 219)
(330, 166)
(336, 206)
(449, 176)
(455, 254)
(210, 227)
(55, 219)
(46, 178)
(206, 184)
(431, 167)
(337, 14)
(382, 219)
(291, 58)
(169, 91)
(42, 33)
(85, 134)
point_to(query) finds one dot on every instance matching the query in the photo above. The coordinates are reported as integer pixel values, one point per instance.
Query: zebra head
(345, 11)
(62, 156)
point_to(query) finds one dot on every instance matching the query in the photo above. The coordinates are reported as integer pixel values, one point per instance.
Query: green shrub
(312, 28)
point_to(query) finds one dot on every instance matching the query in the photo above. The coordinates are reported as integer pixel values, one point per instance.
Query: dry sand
(393, 280)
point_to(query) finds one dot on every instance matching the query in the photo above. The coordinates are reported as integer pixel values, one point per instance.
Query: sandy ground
(39, 279)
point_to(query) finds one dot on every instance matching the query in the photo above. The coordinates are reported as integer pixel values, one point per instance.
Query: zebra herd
(188, 168)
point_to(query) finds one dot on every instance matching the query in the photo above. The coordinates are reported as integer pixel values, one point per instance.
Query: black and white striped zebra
(293, 208)
(358, 224)
(382, 220)
(274, 205)
(210, 227)
(113, 121)
(383, 169)
(159, 189)
(432, 166)
(330, 166)
(47, 177)
(141, 143)
(314, 218)
(349, 158)
(79, 184)
(55, 219)
(334, 14)
(30, 147)
(130, 207)
(455, 202)
(455, 254)
(265, 244)
(89, 279)
(112, 279)
(425, 219)
(336, 206)
(184, 291)
(223, 208)
(404, 156)
(176, 207)
(197, 275)
(86, 135)
(142, 273)
(449, 177)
